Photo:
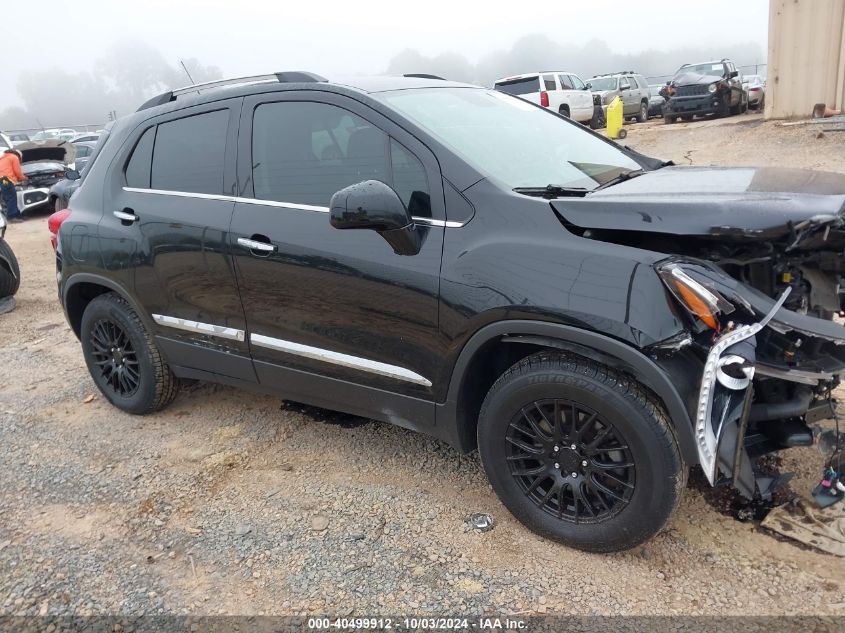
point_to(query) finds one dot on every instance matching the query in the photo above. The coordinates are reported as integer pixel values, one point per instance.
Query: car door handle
(126, 216)
(255, 245)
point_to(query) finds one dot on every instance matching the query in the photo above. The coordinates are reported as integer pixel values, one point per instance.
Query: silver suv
(631, 87)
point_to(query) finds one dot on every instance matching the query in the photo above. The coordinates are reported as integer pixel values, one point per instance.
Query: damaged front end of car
(763, 373)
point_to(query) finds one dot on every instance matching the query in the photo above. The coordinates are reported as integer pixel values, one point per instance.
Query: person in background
(10, 175)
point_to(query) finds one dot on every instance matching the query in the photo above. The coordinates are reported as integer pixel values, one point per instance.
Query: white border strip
(336, 358)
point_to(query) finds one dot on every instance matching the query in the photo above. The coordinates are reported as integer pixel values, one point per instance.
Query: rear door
(336, 318)
(167, 225)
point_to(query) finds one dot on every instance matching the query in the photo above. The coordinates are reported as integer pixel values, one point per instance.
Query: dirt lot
(231, 503)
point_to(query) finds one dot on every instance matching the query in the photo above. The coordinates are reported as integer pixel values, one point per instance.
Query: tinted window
(523, 86)
(549, 82)
(305, 152)
(138, 167)
(189, 153)
(565, 82)
(576, 82)
(409, 180)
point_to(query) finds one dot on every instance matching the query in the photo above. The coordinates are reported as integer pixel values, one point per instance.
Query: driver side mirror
(374, 205)
(72, 174)
(588, 86)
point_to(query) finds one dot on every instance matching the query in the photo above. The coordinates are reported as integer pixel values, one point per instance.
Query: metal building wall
(806, 56)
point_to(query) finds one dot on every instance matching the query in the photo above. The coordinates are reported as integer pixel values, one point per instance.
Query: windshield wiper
(552, 191)
(625, 175)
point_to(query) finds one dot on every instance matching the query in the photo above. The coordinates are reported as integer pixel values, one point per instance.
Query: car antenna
(185, 68)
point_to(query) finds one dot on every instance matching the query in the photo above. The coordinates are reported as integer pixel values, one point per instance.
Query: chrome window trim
(276, 203)
(197, 327)
(336, 358)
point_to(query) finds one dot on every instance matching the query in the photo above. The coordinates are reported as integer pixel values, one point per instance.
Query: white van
(558, 90)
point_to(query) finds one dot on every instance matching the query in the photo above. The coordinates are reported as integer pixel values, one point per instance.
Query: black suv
(457, 261)
(706, 88)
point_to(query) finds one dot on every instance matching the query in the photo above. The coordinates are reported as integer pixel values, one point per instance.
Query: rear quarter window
(140, 162)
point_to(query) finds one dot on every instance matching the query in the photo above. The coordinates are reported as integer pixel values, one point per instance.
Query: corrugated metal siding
(806, 56)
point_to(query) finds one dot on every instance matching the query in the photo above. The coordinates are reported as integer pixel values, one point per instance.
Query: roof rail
(423, 76)
(290, 76)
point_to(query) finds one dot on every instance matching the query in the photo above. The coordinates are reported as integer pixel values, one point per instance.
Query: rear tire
(564, 111)
(642, 116)
(10, 282)
(135, 377)
(621, 482)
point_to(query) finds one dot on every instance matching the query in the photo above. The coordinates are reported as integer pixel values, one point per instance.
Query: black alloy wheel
(115, 358)
(580, 452)
(570, 461)
(123, 358)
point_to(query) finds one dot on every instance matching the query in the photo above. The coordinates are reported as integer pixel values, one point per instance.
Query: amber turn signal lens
(697, 306)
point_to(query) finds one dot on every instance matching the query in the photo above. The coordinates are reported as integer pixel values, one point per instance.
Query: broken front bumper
(698, 104)
(32, 197)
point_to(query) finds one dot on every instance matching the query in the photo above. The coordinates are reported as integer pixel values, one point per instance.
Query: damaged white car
(44, 164)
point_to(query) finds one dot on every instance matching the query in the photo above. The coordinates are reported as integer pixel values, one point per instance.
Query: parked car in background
(5, 142)
(631, 87)
(655, 101)
(756, 88)
(84, 150)
(61, 191)
(66, 134)
(10, 272)
(86, 136)
(713, 87)
(18, 137)
(45, 135)
(560, 91)
(43, 164)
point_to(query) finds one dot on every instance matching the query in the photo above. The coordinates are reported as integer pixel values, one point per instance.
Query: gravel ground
(233, 503)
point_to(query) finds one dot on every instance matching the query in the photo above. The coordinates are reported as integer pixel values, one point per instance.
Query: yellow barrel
(615, 118)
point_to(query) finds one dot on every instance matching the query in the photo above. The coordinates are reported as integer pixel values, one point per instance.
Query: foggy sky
(341, 38)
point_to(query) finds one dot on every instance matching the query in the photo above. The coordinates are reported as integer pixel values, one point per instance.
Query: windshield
(710, 68)
(512, 141)
(604, 83)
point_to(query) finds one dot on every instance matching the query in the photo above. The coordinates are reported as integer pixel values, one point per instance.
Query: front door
(336, 318)
(167, 201)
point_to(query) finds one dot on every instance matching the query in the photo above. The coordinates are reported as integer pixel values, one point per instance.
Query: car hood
(691, 79)
(728, 203)
(59, 151)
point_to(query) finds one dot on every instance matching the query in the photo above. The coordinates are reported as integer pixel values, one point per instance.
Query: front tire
(10, 280)
(122, 357)
(619, 484)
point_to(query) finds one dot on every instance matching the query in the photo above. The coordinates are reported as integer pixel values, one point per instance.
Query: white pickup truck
(558, 90)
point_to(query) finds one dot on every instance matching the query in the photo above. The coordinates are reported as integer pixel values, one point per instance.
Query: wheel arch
(494, 348)
(82, 288)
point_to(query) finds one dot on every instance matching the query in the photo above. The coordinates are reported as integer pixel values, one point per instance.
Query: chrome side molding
(233, 334)
(274, 203)
(336, 358)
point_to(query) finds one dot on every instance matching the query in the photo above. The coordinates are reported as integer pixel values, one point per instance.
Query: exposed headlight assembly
(713, 88)
(701, 302)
